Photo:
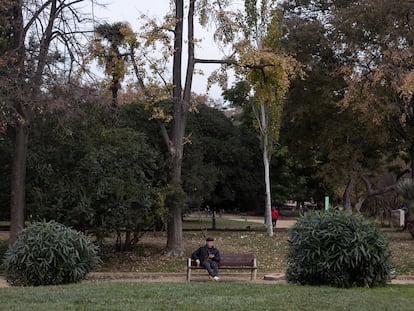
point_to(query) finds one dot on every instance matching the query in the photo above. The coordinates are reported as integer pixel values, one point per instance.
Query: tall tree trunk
(347, 193)
(175, 246)
(410, 217)
(114, 90)
(26, 80)
(15, 69)
(18, 182)
(412, 159)
(266, 164)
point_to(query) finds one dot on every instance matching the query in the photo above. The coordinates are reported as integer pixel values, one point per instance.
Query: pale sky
(130, 11)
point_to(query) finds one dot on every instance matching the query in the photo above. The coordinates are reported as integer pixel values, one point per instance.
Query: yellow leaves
(270, 73)
(204, 10)
(199, 72)
(153, 32)
(383, 89)
(126, 31)
(159, 114)
(219, 76)
(407, 87)
(226, 27)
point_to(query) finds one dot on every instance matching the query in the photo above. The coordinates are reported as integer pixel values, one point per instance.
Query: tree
(31, 28)
(362, 147)
(268, 73)
(406, 188)
(88, 171)
(178, 92)
(221, 165)
(116, 35)
(14, 58)
(378, 70)
(380, 78)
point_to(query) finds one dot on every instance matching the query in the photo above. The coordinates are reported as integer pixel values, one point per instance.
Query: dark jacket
(203, 252)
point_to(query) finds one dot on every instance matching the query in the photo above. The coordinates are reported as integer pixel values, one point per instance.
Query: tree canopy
(326, 87)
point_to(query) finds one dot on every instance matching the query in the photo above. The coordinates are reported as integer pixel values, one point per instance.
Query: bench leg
(188, 274)
(253, 275)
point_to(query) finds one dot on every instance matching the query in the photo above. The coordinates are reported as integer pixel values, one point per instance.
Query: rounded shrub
(339, 249)
(48, 253)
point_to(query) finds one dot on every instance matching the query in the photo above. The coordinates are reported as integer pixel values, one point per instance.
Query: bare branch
(159, 74)
(136, 70)
(371, 193)
(69, 4)
(215, 61)
(35, 16)
(231, 62)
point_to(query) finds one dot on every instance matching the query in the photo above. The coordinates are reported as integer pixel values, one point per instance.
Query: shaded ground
(148, 256)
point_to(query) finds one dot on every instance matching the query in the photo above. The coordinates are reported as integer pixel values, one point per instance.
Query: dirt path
(281, 224)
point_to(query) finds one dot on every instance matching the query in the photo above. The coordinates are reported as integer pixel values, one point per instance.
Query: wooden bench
(229, 261)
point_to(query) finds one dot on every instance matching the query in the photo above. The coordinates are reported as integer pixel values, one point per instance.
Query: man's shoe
(216, 278)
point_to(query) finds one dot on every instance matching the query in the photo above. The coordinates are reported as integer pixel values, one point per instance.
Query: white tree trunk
(266, 164)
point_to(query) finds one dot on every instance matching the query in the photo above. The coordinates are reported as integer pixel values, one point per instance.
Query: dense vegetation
(340, 249)
(48, 253)
(94, 170)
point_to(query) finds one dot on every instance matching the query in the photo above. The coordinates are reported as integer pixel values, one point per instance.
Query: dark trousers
(274, 222)
(212, 267)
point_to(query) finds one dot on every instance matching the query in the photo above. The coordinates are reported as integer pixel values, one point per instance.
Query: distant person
(275, 217)
(209, 257)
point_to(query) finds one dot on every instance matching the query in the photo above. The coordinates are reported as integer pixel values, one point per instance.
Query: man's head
(210, 242)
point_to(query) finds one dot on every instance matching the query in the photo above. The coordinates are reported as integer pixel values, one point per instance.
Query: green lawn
(204, 296)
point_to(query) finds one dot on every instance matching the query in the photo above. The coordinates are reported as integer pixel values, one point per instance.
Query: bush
(48, 253)
(338, 248)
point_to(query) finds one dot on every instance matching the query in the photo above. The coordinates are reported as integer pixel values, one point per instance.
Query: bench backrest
(234, 260)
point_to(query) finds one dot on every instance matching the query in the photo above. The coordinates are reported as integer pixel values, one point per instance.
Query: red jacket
(275, 214)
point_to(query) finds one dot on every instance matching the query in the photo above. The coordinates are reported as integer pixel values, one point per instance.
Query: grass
(204, 296)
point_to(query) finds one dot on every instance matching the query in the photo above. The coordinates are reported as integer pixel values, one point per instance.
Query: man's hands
(211, 256)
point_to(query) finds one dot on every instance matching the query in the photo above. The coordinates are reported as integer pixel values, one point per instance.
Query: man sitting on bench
(209, 257)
